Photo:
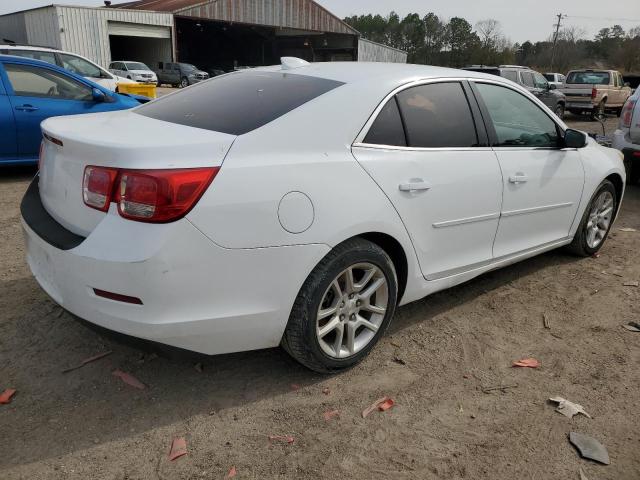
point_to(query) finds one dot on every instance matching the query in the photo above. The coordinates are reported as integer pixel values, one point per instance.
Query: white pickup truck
(627, 137)
(595, 92)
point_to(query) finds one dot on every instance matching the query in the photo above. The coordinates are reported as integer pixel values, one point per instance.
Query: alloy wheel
(600, 218)
(352, 310)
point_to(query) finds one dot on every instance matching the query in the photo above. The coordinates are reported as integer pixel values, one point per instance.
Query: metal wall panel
(85, 31)
(42, 27)
(375, 52)
(299, 14)
(12, 27)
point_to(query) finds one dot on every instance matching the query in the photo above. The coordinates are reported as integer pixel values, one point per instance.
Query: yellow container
(147, 90)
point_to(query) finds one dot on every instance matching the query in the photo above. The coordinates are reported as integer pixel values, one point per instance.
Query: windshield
(591, 78)
(239, 102)
(136, 66)
(188, 67)
(82, 67)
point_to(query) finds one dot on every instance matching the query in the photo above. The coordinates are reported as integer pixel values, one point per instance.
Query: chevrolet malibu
(299, 205)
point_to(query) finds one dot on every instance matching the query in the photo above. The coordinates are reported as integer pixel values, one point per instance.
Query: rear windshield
(238, 103)
(593, 78)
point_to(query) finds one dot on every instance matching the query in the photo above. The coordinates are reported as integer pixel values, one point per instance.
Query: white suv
(627, 137)
(70, 61)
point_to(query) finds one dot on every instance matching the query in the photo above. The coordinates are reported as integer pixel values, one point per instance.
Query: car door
(543, 182)
(428, 151)
(8, 143)
(37, 93)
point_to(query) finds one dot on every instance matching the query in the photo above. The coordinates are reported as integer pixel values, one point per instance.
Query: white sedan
(299, 205)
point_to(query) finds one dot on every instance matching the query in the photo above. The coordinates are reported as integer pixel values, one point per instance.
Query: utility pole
(555, 37)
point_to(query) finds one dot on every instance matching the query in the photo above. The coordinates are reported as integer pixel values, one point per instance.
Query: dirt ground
(440, 354)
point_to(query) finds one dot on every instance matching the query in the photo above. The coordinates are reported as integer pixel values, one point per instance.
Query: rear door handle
(27, 108)
(519, 178)
(415, 185)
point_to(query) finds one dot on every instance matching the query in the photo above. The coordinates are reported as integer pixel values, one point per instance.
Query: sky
(521, 20)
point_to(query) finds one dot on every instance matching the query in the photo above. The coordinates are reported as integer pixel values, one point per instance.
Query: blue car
(32, 91)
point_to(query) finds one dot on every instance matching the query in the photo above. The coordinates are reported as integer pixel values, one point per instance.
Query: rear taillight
(154, 196)
(594, 93)
(627, 113)
(97, 187)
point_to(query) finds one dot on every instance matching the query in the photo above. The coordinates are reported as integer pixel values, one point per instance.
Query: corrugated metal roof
(298, 14)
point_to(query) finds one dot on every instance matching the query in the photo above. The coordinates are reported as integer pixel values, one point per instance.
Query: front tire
(560, 111)
(596, 222)
(184, 83)
(343, 308)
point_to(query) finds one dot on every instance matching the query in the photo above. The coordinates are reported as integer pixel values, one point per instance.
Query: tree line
(456, 43)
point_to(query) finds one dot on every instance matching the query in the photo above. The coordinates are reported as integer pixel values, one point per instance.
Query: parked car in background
(556, 79)
(215, 72)
(32, 91)
(136, 71)
(179, 74)
(533, 81)
(595, 92)
(627, 137)
(216, 220)
(70, 61)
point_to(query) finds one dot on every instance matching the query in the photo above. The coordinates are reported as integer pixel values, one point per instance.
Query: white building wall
(42, 27)
(375, 52)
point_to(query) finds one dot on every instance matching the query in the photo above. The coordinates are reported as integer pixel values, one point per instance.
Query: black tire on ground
(184, 82)
(633, 172)
(300, 339)
(579, 245)
(560, 111)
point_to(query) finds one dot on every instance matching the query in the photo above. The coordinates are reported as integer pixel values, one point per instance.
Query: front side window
(80, 66)
(518, 122)
(30, 81)
(437, 116)
(238, 103)
(539, 81)
(387, 129)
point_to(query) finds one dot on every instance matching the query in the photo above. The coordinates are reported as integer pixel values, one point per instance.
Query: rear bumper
(573, 105)
(195, 295)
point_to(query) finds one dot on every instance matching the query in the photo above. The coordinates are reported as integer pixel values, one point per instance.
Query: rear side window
(387, 129)
(48, 57)
(437, 116)
(510, 75)
(527, 79)
(238, 103)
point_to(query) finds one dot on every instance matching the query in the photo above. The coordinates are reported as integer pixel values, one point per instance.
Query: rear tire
(335, 322)
(560, 111)
(586, 242)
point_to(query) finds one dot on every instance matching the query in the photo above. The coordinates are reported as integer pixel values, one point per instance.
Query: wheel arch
(396, 252)
(618, 183)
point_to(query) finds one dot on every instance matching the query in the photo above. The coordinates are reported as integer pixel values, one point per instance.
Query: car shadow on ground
(180, 384)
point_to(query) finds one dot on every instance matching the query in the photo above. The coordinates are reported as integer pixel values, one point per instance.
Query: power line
(631, 20)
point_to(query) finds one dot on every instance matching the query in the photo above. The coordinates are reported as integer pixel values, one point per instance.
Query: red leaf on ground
(386, 405)
(374, 406)
(329, 415)
(232, 472)
(178, 448)
(281, 438)
(527, 363)
(129, 379)
(5, 397)
(326, 391)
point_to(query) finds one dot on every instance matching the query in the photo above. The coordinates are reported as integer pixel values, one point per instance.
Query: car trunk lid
(122, 139)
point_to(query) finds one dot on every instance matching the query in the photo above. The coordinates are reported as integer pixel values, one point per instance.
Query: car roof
(358, 72)
(31, 47)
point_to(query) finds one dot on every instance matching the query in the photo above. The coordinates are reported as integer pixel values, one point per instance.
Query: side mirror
(98, 95)
(574, 139)
(552, 86)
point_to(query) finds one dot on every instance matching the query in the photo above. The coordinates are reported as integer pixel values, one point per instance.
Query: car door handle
(415, 185)
(519, 178)
(27, 108)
